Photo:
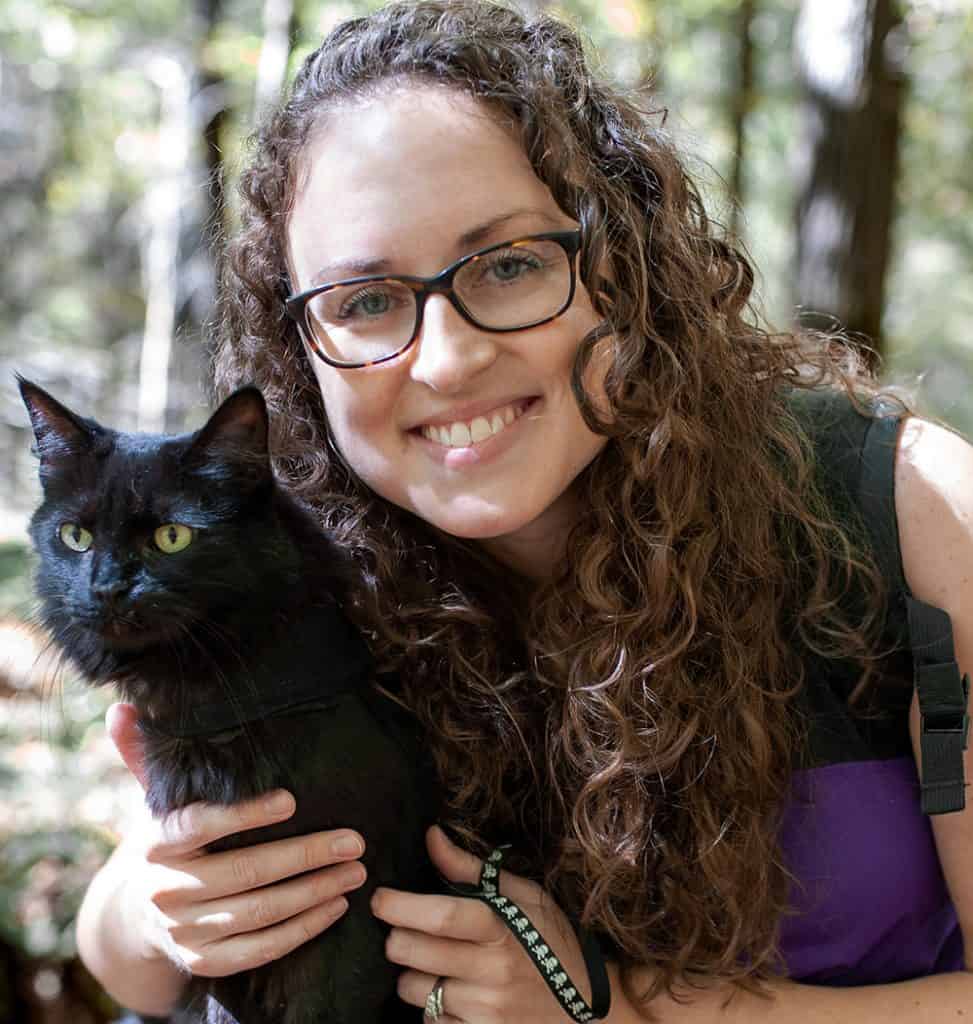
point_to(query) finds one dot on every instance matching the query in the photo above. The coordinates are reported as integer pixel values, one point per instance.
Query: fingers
(449, 917)
(458, 960)
(121, 721)
(248, 950)
(187, 830)
(220, 913)
(233, 915)
(456, 864)
(461, 1000)
(251, 867)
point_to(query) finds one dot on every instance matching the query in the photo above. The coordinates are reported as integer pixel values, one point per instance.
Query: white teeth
(480, 430)
(461, 435)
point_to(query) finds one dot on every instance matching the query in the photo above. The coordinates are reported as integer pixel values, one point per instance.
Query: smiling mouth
(464, 434)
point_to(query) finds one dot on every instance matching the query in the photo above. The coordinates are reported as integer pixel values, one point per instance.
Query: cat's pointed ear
(236, 432)
(59, 434)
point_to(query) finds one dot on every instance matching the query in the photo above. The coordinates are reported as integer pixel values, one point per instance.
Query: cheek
(584, 320)
(595, 373)
(358, 406)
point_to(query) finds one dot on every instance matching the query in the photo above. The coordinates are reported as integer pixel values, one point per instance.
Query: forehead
(404, 174)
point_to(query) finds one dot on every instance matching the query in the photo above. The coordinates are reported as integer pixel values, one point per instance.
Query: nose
(110, 592)
(449, 350)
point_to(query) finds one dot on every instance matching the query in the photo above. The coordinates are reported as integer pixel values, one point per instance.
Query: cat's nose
(111, 592)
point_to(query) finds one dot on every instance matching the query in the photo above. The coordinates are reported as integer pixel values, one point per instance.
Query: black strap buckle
(952, 721)
(943, 736)
(938, 707)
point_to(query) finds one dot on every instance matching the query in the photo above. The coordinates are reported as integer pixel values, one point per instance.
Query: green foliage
(43, 878)
(79, 80)
(16, 563)
(81, 149)
(64, 795)
(930, 301)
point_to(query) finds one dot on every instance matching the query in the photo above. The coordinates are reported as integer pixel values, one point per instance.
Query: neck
(538, 549)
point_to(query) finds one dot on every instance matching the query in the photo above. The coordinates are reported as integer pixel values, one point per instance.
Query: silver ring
(434, 1001)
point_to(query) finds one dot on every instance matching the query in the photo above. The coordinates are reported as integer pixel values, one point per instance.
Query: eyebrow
(466, 242)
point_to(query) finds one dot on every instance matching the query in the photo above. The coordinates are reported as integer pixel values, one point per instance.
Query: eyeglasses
(507, 287)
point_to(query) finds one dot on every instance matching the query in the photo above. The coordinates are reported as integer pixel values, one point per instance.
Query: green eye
(76, 537)
(173, 537)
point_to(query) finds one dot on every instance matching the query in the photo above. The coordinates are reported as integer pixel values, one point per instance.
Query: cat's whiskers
(52, 683)
(177, 651)
(246, 679)
(228, 689)
(227, 639)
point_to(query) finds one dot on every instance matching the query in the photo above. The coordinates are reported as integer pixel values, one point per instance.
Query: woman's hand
(215, 914)
(489, 976)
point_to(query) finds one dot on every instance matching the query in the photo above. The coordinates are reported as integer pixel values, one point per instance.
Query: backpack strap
(942, 693)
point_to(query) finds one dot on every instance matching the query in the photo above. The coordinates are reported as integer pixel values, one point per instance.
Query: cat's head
(140, 535)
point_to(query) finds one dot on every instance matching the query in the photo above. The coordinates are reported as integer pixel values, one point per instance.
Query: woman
(602, 561)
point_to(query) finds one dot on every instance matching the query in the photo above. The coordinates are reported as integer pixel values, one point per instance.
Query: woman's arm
(934, 507)
(163, 908)
(932, 1000)
(111, 939)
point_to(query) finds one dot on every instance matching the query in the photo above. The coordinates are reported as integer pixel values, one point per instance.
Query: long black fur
(251, 606)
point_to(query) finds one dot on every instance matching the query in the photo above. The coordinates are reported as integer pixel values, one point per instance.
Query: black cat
(177, 569)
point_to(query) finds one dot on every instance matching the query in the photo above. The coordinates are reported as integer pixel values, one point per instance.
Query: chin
(480, 525)
(465, 530)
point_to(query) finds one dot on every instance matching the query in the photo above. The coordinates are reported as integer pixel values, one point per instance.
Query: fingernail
(280, 803)
(356, 876)
(348, 846)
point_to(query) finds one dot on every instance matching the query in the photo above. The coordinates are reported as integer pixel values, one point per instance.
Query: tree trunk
(278, 18)
(187, 215)
(533, 8)
(164, 207)
(210, 115)
(854, 85)
(742, 102)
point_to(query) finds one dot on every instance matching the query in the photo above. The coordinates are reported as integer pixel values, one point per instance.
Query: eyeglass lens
(513, 286)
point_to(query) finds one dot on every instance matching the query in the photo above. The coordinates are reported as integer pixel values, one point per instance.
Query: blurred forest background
(834, 136)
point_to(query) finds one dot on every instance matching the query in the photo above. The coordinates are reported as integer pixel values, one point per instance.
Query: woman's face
(403, 179)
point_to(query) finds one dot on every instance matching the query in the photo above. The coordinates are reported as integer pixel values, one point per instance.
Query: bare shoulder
(934, 507)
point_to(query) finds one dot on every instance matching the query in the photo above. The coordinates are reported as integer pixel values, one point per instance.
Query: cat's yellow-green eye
(173, 538)
(75, 537)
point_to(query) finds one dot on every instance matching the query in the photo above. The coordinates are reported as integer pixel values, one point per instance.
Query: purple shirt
(872, 905)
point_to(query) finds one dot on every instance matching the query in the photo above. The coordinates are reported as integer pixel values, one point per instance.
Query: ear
(236, 432)
(59, 434)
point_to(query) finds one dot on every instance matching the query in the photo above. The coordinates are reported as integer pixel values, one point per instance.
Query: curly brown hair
(629, 724)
